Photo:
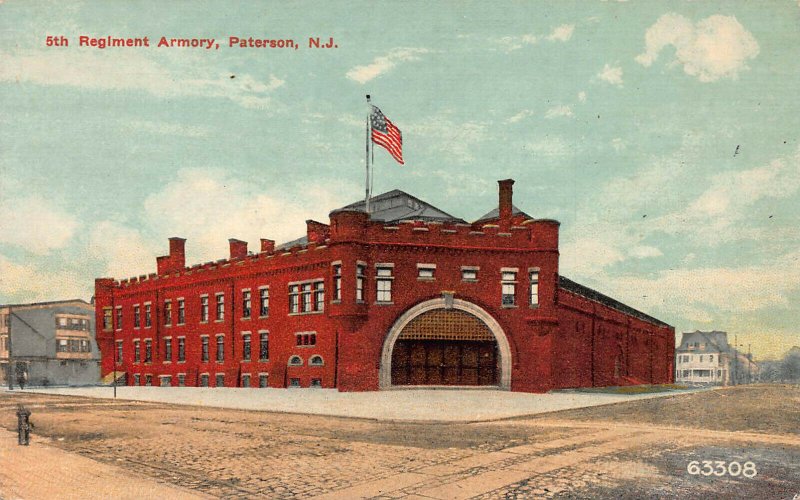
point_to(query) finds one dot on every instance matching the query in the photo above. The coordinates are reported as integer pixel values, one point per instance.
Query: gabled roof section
(397, 205)
(588, 293)
(495, 213)
(711, 342)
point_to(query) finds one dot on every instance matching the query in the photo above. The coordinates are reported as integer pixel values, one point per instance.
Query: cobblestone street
(245, 454)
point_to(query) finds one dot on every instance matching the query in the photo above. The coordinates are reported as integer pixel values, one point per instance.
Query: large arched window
(295, 361)
(316, 361)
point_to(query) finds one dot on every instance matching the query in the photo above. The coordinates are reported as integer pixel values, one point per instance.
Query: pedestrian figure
(22, 378)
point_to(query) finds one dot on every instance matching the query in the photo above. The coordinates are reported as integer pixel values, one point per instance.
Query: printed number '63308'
(720, 468)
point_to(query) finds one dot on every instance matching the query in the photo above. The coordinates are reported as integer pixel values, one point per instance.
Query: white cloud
(618, 144)
(131, 71)
(548, 146)
(713, 48)
(645, 252)
(208, 206)
(725, 207)
(611, 74)
(561, 33)
(520, 116)
(35, 224)
(175, 129)
(558, 111)
(582, 96)
(384, 64)
(738, 289)
(440, 132)
(27, 283)
(123, 250)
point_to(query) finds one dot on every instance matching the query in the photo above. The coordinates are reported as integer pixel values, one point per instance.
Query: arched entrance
(453, 343)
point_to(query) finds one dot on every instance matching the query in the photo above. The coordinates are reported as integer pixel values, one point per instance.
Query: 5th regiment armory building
(404, 296)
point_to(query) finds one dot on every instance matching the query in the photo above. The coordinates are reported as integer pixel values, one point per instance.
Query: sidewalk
(397, 405)
(40, 471)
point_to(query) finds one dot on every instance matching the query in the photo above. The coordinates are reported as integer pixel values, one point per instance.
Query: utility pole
(10, 371)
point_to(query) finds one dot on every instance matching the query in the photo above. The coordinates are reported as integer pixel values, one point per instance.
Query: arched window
(316, 361)
(295, 361)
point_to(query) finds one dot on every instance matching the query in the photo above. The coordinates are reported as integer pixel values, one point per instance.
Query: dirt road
(631, 450)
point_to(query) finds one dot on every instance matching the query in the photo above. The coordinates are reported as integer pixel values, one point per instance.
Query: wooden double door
(444, 362)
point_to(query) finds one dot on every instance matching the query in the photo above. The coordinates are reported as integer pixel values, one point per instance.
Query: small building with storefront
(49, 343)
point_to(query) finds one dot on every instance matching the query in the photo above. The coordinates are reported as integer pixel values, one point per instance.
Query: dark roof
(397, 205)
(302, 241)
(586, 292)
(714, 341)
(495, 213)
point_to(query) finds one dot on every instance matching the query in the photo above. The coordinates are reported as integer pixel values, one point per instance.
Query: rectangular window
(360, 281)
(316, 382)
(181, 349)
(534, 291)
(263, 298)
(263, 348)
(245, 380)
(106, 319)
(246, 303)
(181, 380)
(294, 382)
(220, 307)
(148, 316)
(319, 296)
(204, 349)
(181, 311)
(426, 271)
(220, 348)
(337, 282)
(246, 347)
(119, 352)
(220, 380)
(509, 288)
(148, 351)
(119, 318)
(137, 319)
(263, 380)
(137, 379)
(148, 380)
(383, 284)
(305, 297)
(305, 339)
(167, 349)
(137, 351)
(204, 380)
(204, 309)
(168, 313)
(166, 381)
(294, 299)
(469, 274)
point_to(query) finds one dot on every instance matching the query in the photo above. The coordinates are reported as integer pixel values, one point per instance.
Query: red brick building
(405, 296)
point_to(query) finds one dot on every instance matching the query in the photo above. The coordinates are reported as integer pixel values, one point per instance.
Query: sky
(662, 135)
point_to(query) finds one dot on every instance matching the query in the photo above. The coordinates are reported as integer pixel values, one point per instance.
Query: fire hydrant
(23, 426)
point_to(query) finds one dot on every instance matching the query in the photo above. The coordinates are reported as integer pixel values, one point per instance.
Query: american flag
(385, 134)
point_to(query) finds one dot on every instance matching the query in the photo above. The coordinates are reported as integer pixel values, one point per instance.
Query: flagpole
(366, 188)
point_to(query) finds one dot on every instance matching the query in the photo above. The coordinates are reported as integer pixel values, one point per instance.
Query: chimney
(317, 232)
(267, 245)
(238, 248)
(176, 260)
(506, 195)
